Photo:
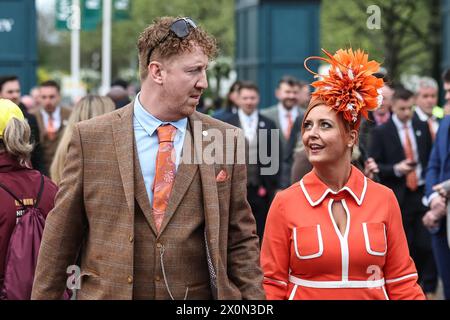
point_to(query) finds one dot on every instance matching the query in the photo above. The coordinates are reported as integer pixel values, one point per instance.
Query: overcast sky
(45, 5)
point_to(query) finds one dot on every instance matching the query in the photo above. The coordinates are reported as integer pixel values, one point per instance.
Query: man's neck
(287, 109)
(50, 111)
(154, 106)
(248, 113)
(420, 109)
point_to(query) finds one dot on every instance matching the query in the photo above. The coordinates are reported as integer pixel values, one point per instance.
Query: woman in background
(21, 188)
(87, 108)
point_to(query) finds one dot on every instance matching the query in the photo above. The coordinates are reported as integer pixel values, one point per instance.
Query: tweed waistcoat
(175, 259)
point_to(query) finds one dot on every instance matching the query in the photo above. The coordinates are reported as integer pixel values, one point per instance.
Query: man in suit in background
(436, 219)
(258, 131)
(10, 89)
(401, 148)
(51, 119)
(426, 100)
(141, 202)
(286, 115)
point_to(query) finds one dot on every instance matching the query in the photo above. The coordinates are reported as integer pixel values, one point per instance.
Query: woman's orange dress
(305, 256)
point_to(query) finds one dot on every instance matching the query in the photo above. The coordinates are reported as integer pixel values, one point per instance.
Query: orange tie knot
(166, 133)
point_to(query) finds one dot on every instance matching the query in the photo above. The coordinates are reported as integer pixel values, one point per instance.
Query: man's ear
(155, 71)
(277, 93)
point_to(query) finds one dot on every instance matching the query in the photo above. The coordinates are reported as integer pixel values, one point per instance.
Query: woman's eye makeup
(326, 124)
(322, 124)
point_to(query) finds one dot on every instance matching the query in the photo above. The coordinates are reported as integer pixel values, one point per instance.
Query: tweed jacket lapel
(210, 201)
(123, 137)
(183, 178)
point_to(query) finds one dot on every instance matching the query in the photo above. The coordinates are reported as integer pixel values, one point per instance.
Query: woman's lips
(315, 148)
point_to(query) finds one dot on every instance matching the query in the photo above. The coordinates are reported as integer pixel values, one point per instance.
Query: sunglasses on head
(181, 28)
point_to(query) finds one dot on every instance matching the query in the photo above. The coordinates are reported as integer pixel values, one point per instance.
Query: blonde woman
(21, 189)
(87, 108)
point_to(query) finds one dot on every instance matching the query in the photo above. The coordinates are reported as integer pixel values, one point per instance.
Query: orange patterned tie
(411, 178)
(51, 132)
(164, 173)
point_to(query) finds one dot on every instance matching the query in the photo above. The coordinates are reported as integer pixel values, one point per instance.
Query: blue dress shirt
(147, 144)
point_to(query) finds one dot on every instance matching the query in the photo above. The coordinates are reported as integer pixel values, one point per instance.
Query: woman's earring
(350, 145)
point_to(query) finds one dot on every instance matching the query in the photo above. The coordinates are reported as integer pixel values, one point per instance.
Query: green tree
(407, 42)
(217, 17)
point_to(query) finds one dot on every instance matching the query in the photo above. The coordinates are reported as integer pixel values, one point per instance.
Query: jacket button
(130, 279)
(131, 238)
(157, 278)
(159, 245)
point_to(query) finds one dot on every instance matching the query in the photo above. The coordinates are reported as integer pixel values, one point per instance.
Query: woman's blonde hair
(87, 108)
(16, 141)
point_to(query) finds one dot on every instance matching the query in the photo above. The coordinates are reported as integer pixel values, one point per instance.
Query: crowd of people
(357, 200)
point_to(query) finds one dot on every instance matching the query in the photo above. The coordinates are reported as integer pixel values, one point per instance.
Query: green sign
(91, 14)
(121, 9)
(63, 13)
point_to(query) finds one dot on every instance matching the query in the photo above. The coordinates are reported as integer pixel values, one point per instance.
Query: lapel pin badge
(205, 133)
(262, 124)
(418, 133)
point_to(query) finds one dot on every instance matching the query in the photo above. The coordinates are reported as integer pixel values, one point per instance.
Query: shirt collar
(316, 191)
(252, 116)
(422, 115)
(400, 125)
(150, 123)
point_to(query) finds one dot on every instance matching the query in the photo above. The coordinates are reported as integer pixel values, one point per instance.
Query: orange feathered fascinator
(350, 86)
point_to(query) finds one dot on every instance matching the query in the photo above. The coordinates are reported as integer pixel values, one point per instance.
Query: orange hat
(350, 86)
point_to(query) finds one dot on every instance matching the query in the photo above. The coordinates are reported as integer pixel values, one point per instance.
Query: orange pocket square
(222, 176)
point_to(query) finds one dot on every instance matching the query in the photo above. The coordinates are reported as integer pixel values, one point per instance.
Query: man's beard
(288, 103)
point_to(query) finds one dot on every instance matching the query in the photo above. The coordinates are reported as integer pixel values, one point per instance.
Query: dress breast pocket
(308, 242)
(375, 238)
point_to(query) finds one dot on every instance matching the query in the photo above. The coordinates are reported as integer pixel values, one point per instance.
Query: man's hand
(438, 206)
(404, 167)
(370, 168)
(443, 189)
(430, 220)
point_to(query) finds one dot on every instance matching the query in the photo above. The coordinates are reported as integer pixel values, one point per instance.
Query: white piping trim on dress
(342, 239)
(276, 281)
(337, 284)
(401, 278)
(385, 293)
(367, 241)
(345, 253)
(294, 290)
(311, 256)
(312, 203)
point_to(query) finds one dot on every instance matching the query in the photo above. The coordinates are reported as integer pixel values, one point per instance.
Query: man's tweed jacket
(102, 216)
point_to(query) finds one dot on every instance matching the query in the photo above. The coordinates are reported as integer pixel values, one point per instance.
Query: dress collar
(316, 191)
